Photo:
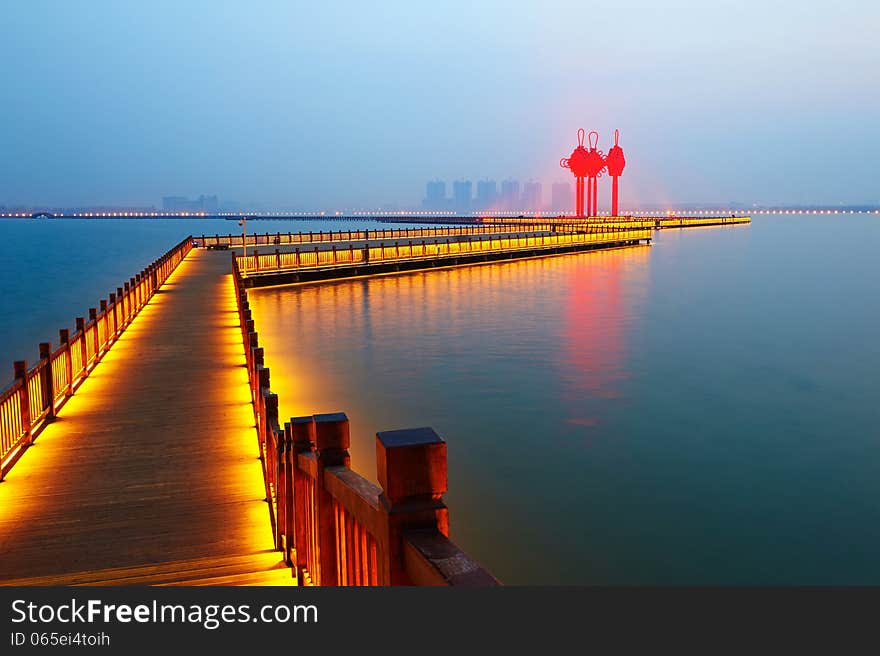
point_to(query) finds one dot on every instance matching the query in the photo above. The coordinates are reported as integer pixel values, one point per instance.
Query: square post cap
(303, 430)
(332, 431)
(411, 462)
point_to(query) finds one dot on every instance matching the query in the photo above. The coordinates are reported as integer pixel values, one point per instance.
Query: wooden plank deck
(150, 473)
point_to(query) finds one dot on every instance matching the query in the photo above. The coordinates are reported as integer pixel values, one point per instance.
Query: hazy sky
(337, 104)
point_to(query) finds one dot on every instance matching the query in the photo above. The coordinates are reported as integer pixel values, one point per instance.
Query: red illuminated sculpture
(595, 166)
(578, 163)
(615, 161)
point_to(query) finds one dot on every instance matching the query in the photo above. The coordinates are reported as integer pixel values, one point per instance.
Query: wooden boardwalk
(150, 473)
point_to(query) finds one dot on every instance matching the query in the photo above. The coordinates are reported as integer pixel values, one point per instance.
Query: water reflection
(491, 356)
(603, 292)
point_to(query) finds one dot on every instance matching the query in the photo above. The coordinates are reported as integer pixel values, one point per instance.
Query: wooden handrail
(334, 526)
(483, 225)
(37, 394)
(598, 220)
(448, 247)
(432, 559)
(288, 238)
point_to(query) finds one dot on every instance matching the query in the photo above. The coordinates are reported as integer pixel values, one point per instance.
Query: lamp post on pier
(243, 223)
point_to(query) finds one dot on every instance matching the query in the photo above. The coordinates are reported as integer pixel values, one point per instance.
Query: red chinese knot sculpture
(588, 164)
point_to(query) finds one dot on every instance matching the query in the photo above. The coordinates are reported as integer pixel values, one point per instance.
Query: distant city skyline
(513, 196)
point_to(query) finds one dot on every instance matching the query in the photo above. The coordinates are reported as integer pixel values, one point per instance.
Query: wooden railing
(687, 221)
(449, 247)
(334, 526)
(571, 224)
(37, 394)
(287, 238)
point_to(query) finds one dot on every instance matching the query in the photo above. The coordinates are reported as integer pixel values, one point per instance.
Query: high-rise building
(532, 196)
(461, 195)
(435, 195)
(487, 195)
(509, 195)
(175, 203)
(207, 204)
(561, 198)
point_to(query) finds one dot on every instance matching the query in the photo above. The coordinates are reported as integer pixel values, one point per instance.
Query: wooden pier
(474, 226)
(370, 258)
(569, 224)
(148, 474)
(329, 236)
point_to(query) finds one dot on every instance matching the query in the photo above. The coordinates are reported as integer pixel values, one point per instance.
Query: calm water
(55, 270)
(703, 411)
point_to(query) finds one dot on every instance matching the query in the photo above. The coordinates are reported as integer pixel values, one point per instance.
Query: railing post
(285, 493)
(120, 299)
(302, 431)
(106, 321)
(127, 302)
(252, 345)
(114, 301)
(93, 318)
(24, 407)
(84, 353)
(411, 468)
(332, 442)
(274, 468)
(64, 339)
(47, 380)
(138, 292)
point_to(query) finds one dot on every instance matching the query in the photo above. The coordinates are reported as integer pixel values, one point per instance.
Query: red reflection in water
(594, 348)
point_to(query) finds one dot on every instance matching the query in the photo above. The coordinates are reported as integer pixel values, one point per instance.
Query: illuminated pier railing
(286, 238)
(656, 222)
(688, 221)
(451, 250)
(38, 393)
(334, 526)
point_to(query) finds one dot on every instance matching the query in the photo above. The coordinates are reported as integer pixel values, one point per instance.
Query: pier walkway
(150, 474)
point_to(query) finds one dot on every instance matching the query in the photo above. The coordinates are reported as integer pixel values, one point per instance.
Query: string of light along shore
(437, 213)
